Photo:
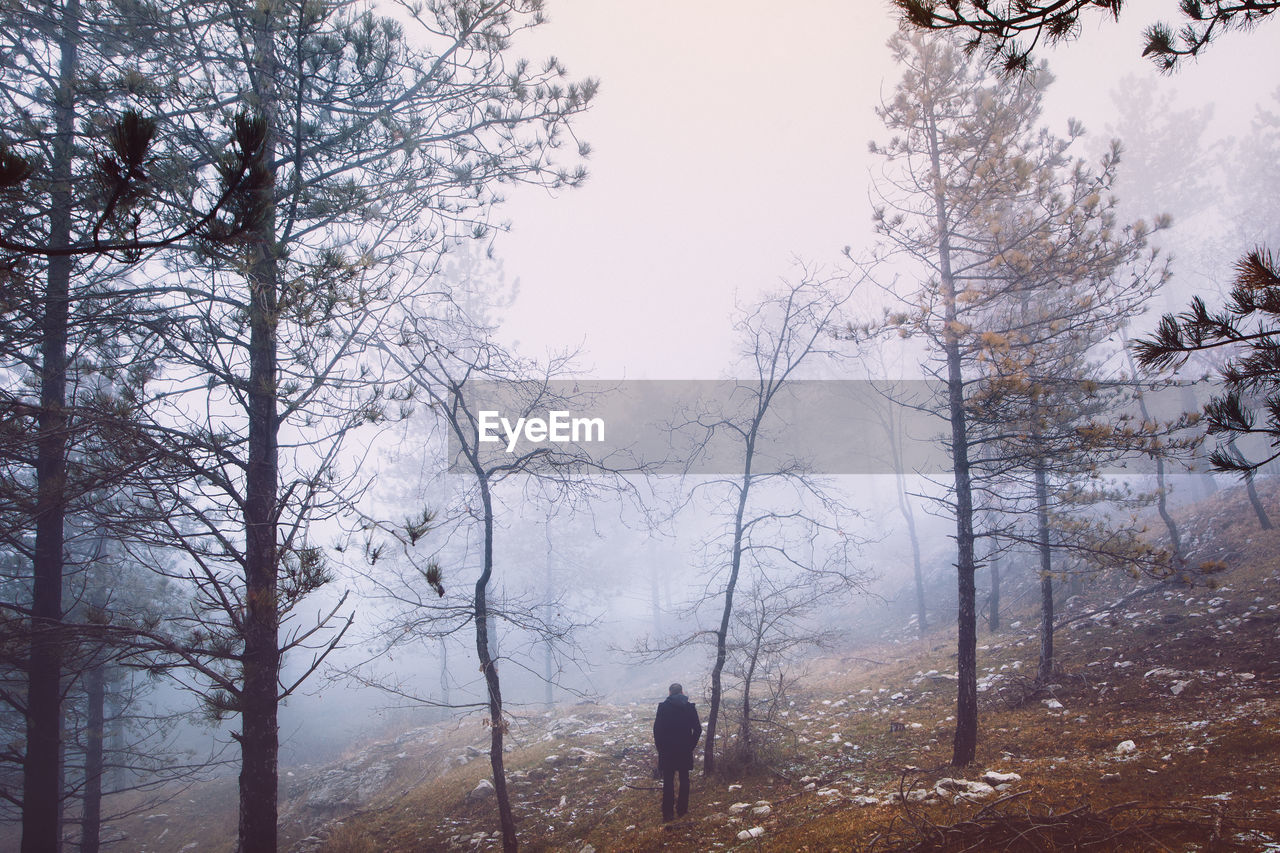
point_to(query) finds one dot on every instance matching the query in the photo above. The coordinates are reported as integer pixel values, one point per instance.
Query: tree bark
(497, 724)
(965, 745)
(260, 661)
(722, 632)
(41, 791)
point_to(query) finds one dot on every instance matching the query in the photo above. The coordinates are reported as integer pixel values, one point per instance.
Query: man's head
(675, 688)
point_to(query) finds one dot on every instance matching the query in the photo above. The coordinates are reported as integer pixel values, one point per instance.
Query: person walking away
(676, 730)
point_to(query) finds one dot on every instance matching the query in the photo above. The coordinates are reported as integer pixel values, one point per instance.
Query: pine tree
(1247, 327)
(375, 150)
(1009, 31)
(1025, 270)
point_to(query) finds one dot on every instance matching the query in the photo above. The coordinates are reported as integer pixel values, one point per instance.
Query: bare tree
(774, 506)
(453, 365)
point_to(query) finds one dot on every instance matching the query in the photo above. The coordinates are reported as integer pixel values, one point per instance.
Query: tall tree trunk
(965, 745)
(91, 818)
(41, 791)
(722, 632)
(259, 703)
(993, 616)
(489, 666)
(1044, 672)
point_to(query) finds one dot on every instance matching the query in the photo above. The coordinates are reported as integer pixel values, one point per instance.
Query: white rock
(963, 789)
(864, 800)
(827, 792)
(1126, 747)
(738, 808)
(975, 791)
(1053, 704)
(993, 777)
(762, 811)
(916, 795)
(753, 832)
(1178, 686)
(482, 791)
(812, 786)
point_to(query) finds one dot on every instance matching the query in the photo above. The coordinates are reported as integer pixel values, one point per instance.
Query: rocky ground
(1161, 731)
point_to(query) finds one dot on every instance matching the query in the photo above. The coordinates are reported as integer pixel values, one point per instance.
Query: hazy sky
(730, 137)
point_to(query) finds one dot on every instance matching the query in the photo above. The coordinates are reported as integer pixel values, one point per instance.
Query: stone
(753, 832)
(993, 777)
(482, 791)
(958, 790)
(1126, 747)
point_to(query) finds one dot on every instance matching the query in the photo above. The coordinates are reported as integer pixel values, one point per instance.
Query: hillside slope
(1160, 731)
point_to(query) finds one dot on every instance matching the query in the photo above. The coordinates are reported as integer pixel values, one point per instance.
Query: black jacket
(676, 730)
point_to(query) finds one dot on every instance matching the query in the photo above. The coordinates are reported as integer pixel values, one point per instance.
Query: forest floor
(1160, 731)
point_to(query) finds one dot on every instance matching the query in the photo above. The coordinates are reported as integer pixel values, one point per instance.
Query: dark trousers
(669, 793)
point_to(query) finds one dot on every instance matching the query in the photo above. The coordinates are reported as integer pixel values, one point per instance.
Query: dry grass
(1204, 775)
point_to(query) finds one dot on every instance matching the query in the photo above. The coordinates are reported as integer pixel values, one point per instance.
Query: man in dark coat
(676, 730)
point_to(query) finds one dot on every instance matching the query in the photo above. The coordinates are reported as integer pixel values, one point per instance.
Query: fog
(749, 295)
